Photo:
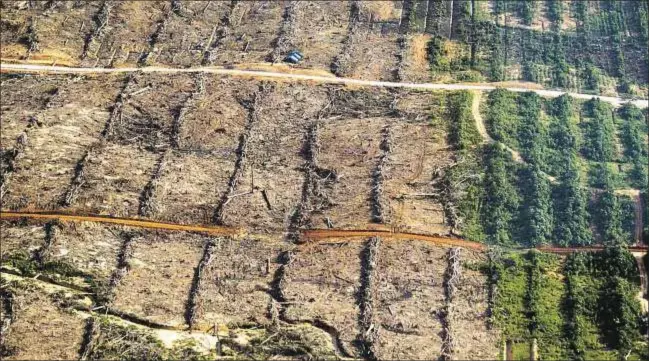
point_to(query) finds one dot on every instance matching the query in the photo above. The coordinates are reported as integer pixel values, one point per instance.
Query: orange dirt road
(324, 234)
(307, 235)
(138, 223)
(315, 235)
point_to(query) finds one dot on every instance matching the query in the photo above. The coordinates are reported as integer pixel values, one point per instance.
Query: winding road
(6, 67)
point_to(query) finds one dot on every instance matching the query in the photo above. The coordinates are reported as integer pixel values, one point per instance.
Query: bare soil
(88, 247)
(255, 25)
(148, 114)
(323, 282)
(410, 292)
(41, 330)
(415, 66)
(20, 237)
(351, 148)
(218, 118)
(73, 120)
(236, 283)
(127, 33)
(188, 32)
(417, 150)
(157, 284)
(115, 176)
(321, 31)
(273, 176)
(191, 185)
(469, 312)
(21, 99)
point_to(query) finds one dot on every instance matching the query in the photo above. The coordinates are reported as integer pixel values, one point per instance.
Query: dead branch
(148, 206)
(287, 33)
(155, 37)
(89, 337)
(451, 280)
(7, 317)
(100, 20)
(343, 62)
(254, 107)
(378, 177)
(369, 330)
(219, 33)
(106, 294)
(51, 231)
(192, 306)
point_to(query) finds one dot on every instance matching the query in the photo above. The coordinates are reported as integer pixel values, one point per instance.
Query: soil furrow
(378, 177)
(191, 310)
(89, 336)
(8, 159)
(26, 68)
(148, 205)
(51, 231)
(309, 235)
(451, 281)
(219, 34)
(286, 37)
(254, 108)
(100, 20)
(343, 60)
(366, 297)
(159, 32)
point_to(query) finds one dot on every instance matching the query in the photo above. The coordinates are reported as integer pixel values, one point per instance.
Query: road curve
(34, 68)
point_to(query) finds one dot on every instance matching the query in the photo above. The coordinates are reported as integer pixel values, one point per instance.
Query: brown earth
(41, 330)
(156, 286)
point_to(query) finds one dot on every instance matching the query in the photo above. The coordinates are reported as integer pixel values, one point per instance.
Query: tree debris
(451, 280)
(192, 308)
(254, 108)
(369, 329)
(378, 177)
(286, 38)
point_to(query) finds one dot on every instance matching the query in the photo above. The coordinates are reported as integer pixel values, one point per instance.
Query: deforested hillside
(357, 180)
(596, 47)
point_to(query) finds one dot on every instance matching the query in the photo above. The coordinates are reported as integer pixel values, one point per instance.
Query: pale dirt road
(39, 69)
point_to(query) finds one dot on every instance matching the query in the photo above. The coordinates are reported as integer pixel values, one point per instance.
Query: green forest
(565, 190)
(591, 47)
(579, 307)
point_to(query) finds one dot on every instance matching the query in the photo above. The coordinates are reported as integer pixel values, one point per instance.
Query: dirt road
(307, 234)
(39, 69)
